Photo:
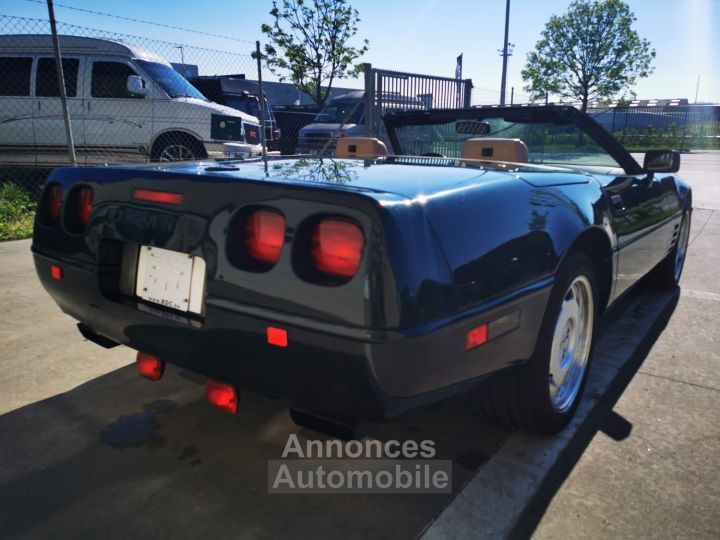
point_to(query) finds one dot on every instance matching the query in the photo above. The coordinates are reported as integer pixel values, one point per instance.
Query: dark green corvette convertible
(476, 256)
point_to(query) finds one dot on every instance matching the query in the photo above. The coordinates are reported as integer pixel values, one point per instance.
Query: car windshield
(549, 140)
(174, 84)
(339, 112)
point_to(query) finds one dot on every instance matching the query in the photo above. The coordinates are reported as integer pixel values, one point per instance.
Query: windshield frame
(559, 114)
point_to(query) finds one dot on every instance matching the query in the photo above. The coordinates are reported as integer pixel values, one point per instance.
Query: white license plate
(170, 278)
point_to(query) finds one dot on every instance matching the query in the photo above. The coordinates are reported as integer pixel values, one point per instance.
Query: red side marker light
(277, 336)
(150, 195)
(56, 272)
(476, 337)
(222, 396)
(149, 366)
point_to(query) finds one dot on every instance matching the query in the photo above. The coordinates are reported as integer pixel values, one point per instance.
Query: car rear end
(289, 290)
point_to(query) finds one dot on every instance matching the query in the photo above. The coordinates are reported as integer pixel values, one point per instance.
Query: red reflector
(157, 196)
(56, 272)
(149, 366)
(222, 396)
(84, 205)
(476, 337)
(54, 202)
(337, 247)
(265, 235)
(277, 336)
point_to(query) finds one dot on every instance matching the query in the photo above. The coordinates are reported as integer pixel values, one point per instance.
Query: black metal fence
(388, 91)
(681, 127)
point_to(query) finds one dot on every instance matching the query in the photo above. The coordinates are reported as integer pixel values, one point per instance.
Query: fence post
(369, 100)
(468, 93)
(61, 84)
(262, 99)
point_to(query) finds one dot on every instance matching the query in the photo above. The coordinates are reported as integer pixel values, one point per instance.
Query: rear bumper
(344, 372)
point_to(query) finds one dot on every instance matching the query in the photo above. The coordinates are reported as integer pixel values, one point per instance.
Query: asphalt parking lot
(88, 449)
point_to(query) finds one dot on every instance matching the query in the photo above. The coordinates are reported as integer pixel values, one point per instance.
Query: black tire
(521, 398)
(666, 274)
(189, 148)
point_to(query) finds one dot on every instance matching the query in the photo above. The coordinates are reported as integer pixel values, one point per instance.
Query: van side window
(109, 80)
(46, 84)
(16, 76)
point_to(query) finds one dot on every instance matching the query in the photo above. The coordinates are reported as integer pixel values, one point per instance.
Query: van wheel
(543, 395)
(177, 147)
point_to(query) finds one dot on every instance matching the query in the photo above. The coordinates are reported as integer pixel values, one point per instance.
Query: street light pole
(505, 53)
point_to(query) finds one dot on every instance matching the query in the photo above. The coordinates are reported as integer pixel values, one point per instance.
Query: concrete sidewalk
(658, 475)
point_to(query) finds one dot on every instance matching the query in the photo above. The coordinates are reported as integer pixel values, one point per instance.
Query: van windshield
(249, 105)
(338, 111)
(170, 80)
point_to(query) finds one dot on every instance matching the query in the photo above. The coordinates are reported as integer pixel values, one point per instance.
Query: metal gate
(388, 91)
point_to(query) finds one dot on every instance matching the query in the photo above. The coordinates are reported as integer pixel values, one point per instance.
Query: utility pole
(697, 88)
(182, 53)
(61, 85)
(261, 105)
(505, 53)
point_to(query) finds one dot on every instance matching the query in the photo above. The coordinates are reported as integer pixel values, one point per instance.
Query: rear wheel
(666, 275)
(542, 395)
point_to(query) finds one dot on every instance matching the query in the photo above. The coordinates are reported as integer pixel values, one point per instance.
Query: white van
(125, 103)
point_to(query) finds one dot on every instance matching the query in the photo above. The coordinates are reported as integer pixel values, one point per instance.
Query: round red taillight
(53, 202)
(264, 236)
(337, 247)
(84, 200)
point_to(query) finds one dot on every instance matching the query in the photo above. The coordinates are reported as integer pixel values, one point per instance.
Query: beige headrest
(512, 150)
(360, 147)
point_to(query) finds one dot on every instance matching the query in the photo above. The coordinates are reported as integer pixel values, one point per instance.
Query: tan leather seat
(512, 150)
(360, 147)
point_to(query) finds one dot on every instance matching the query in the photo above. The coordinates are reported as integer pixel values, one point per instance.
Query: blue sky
(425, 36)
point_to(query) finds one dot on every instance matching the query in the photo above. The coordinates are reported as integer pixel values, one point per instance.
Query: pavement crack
(703, 225)
(671, 379)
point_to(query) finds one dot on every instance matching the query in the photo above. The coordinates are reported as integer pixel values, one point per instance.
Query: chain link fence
(137, 99)
(127, 98)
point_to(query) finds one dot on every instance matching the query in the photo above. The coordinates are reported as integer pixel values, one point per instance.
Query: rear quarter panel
(490, 240)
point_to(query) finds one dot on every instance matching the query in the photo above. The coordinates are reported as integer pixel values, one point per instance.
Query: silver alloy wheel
(682, 244)
(571, 342)
(176, 152)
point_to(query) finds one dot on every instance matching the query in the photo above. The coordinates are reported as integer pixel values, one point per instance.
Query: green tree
(590, 52)
(308, 44)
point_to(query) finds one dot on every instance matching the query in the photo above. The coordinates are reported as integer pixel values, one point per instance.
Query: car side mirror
(135, 85)
(667, 161)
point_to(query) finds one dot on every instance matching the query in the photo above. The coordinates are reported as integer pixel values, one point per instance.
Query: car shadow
(602, 418)
(120, 456)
